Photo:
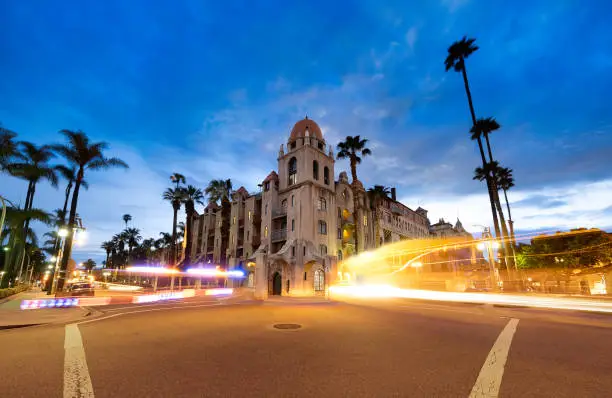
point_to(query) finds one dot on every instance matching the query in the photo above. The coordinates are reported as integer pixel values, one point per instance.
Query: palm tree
(353, 148)
(376, 196)
(118, 254)
(192, 196)
(84, 155)
(174, 196)
(458, 52)
(126, 218)
(505, 181)
(177, 179)
(16, 238)
(8, 148)
(132, 238)
(218, 190)
(108, 248)
(89, 264)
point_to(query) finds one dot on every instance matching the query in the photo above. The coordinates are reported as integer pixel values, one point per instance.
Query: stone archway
(277, 284)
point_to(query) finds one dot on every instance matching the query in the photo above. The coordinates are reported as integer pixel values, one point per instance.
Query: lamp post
(487, 245)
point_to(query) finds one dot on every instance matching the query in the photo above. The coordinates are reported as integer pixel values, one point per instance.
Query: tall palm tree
(353, 148)
(84, 155)
(192, 196)
(177, 178)
(108, 248)
(175, 197)
(458, 52)
(376, 195)
(126, 218)
(483, 128)
(218, 190)
(505, 181)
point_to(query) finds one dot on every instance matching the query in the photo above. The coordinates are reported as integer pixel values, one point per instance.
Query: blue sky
(211, 90)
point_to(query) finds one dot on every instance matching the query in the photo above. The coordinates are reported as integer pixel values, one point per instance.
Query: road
(206, 347)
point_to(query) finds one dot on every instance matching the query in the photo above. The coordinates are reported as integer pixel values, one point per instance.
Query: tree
(218, 190)
(85, 156)
(177, 178)
(191, 196)
(353, 148)
(175, 197)
(376, 195)
(458, 52)
(89, 264)
(15, 238)
(108, 248)
(505, 181)
(132, 238)
(8, 148)
(126, 218)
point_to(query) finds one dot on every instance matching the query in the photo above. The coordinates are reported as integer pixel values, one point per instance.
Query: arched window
(293, 224)
(322, 227)
(326, 175)
(323, 250)
(315, 169)
(292, 171)
(265, 231)
(292, 200)
(284, 205)
(319, 280)
(340, 255)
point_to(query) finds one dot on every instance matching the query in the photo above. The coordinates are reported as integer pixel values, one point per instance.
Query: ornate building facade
(290, 236)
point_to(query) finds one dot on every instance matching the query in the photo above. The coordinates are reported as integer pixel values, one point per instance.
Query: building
(444, 229)
(289, 236)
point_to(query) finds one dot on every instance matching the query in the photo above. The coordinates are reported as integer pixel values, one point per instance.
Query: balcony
(279, 235)
(282, 212)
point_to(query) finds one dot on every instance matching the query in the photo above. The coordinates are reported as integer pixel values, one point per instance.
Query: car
(80, 289)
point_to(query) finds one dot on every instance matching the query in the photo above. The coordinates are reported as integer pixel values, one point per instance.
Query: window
(326, 175)
(293, 225)
(234, 220)
(315, 170)
(322, 227)
(365, 221)
(323, 250)
(319, 281)
(267, 186)
(292, 171)
(248, 233)
(339, 233)
(293, 145)
(340, 255)
(304, 250)
(293, 251)
(305, 275)
(266, 209)
(265, 231)
(292, 200)
(233, 239)
(322, 204)
(250, 215)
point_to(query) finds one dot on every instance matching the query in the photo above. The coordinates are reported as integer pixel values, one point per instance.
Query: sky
(212, 89)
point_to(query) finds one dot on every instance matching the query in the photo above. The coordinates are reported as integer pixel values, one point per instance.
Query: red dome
(299, 130)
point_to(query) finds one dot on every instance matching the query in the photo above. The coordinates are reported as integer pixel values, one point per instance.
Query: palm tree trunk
(482, 155)
(187, 258)
(173, 243)
(510, 222)
(65, 208)
(70, 237)
(353, 163)
(489, 147)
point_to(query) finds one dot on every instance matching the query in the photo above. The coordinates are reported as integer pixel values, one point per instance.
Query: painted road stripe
(490, 377)
(77, 383)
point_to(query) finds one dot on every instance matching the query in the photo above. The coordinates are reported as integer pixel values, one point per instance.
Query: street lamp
(63, 232)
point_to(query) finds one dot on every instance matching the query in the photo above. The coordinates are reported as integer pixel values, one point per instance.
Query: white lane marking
(490, 376)
(77, 383)
(147, 310)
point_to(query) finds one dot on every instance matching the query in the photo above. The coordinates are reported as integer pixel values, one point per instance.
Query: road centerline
(491, 374)
(77, 382)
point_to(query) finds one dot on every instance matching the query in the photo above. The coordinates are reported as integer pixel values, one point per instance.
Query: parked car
(80, 289)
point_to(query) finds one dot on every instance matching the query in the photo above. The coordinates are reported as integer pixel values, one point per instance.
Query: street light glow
(480, 246)
(53, 259)
(63, 232)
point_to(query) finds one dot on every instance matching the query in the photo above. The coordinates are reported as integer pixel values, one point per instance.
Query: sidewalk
(12, 316)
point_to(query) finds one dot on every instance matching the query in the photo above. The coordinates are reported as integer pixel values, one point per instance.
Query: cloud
(411, 37)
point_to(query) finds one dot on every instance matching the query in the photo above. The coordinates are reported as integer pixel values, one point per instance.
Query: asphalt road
(382, 348)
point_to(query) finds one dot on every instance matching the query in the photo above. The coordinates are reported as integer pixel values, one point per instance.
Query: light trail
(388, 291)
